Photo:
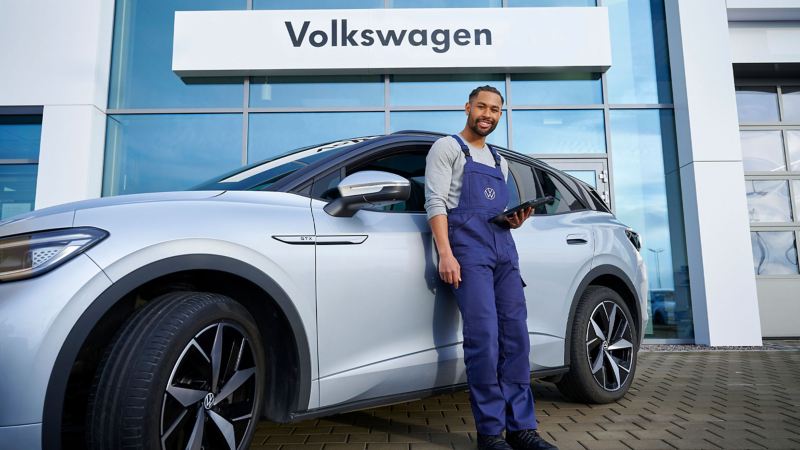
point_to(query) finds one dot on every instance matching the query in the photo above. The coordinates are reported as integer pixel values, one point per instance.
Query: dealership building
(684, 114)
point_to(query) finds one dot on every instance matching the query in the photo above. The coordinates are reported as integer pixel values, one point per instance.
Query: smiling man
(465, 186)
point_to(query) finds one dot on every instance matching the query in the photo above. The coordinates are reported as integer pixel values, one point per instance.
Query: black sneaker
(528, 440)
(492, 442)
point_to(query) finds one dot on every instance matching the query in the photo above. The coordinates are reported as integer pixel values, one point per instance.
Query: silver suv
(293, 288)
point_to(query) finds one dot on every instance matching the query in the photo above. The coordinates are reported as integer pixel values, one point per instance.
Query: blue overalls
(492, 303)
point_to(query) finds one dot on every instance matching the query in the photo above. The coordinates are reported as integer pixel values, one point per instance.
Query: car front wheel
(186, 372)
(602, 349)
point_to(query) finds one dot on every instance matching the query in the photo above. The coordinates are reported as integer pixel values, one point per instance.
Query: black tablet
(501, 218)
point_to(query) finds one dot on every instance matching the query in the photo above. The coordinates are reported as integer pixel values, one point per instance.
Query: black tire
(172, 341)
(592, 376)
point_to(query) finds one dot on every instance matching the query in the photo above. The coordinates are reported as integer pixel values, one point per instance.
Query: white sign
(452, 40)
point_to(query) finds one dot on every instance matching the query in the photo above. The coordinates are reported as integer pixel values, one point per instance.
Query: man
(465, 185)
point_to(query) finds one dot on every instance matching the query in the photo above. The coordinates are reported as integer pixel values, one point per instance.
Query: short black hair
(486, 88)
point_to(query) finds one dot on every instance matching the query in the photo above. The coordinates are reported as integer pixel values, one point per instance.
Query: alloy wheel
(609, 346)
(210, 395)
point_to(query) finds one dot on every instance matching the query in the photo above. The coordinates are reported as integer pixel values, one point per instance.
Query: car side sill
(401, 398)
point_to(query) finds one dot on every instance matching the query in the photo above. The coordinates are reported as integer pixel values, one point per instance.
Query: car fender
(150, 268)
(598, 271)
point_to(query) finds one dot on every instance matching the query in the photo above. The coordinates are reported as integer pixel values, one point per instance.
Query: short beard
(474, 127)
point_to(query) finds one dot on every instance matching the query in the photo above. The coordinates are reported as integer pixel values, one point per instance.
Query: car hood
(62, 216)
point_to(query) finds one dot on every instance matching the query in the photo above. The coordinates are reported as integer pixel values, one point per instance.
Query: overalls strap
(464, 147)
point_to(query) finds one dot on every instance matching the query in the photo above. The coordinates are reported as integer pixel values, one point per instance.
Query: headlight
(28, 255)
(634, 238)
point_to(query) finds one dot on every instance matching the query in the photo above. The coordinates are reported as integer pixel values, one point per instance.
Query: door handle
(577, 239)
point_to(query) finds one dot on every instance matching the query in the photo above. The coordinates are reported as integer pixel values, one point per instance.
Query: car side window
(325, 186)
(565, 200)
(513, 191)
(409, 164)
(528, 188)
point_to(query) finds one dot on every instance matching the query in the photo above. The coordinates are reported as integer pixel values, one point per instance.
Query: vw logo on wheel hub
(489, 193)
(208, 402)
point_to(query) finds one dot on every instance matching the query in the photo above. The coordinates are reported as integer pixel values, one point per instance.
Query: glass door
(592, 171)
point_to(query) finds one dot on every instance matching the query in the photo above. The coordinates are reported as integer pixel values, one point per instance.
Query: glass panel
(791, 103)
(648, 199)
(559, 132)
(793, 143)
(796, 188)
(513, 3)
(564, 200)
(556, 89)
(757, 104)
(316, 4)
(166, 152)
(20, 136)
(774, 252)
(17, 189)
(439, 90)
(762, 151)
(445, 3)
(587, 176)
(275, 133)
(141, 68)
(366, 90)
(640, 73)
(449, 122)
(768, 201)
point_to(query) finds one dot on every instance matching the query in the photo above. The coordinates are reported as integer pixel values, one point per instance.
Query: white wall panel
(724, 299)
(71, 161)
(765, 42)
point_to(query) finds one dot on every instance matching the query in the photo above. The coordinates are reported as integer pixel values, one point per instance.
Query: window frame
(785, 175)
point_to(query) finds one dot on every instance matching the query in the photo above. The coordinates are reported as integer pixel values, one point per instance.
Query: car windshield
(272, 170)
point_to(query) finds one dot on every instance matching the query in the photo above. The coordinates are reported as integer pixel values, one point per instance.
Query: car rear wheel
(602, 349)
(187, 372)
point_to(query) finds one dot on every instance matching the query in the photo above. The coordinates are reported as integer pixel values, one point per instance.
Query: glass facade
(20, 136)
(167, 132)
(770, 134)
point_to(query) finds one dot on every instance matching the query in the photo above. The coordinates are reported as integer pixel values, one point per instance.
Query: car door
(555, 248)
(384, 327)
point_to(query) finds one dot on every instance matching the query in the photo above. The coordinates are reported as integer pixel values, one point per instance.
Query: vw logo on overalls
(489, 193)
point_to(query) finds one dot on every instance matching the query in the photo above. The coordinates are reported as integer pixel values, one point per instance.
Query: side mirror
(368, 188)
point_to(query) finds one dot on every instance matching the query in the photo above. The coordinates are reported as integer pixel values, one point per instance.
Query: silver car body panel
(141, 234)
(35, 319)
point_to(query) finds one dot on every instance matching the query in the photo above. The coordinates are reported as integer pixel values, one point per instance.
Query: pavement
(684, 398)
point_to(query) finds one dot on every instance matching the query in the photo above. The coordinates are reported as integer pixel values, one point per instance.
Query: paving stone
(691, 444)
(409, 438)
(649, 444)
(327, 438)
(361, 446)
(603, 445)
(368, 437)
(374, 446)
(286, 439)
(302, 447)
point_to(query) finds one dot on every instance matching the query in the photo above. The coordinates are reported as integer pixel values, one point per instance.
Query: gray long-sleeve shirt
(444, 170)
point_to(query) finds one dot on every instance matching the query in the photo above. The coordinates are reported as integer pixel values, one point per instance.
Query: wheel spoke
(597, 331)
(614, 367)
(611, 320)
(196, 439)
(234, 383)
(186, 397)
(216, 358)
(620, 344)
(225, 427)
(592, 341)
(598, 363)
(173, 426)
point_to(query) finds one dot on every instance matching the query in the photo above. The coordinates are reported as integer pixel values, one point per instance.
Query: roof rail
(423, 132)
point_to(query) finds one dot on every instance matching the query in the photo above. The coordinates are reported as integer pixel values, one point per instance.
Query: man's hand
(519, 217)
(450, 270)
